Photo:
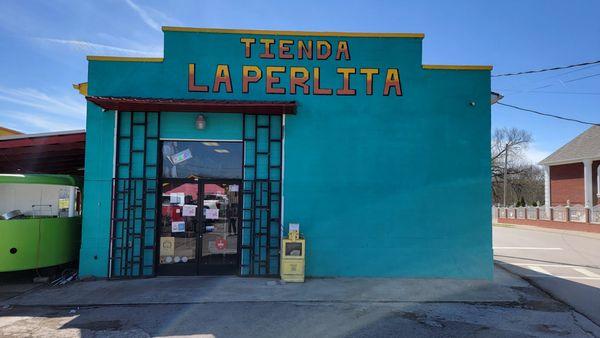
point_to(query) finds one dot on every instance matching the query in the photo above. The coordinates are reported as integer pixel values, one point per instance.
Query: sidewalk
(254, 307)
(568, 226)
(226, 289)
(589, 234)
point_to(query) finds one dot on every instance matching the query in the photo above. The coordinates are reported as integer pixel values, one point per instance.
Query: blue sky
(44, 44)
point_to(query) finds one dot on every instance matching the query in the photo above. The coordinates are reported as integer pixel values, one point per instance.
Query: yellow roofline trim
(10, 131)
(458, 67)
(123, 58)
(297, 33)
(82, 88)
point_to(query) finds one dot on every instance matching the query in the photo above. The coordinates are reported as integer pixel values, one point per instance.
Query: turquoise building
(197, 162)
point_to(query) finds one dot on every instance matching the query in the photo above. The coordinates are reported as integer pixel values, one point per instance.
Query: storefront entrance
(199, 227)
(200, 208)
(188, 206)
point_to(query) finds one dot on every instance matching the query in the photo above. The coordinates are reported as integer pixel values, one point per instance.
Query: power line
(548, 115)
(583, 77)
(559, 92)
(548, 69)
(569, 72)
(518, 91)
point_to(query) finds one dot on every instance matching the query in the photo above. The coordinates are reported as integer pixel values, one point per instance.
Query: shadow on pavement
(583, 298)
(347, 308)
(16, 283)
(542, 261)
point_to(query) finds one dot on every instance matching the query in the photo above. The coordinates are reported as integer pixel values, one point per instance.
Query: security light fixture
(200, 122)
(211, 144)
(222, 151)
(495, 97)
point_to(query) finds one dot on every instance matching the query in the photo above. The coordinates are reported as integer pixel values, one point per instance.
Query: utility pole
(505, 172)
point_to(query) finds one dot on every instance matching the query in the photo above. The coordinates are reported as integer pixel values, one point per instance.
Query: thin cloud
(153, 46)
(534, 155)
(63, 105)
(31, 122)
(151, 16)
(87, 46)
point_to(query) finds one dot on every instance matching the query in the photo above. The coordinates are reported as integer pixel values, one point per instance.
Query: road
(565, 264)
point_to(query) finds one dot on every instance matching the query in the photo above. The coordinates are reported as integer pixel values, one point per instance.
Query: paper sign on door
(167, 246)
(177, 226)
(177, 198)
(189, 210)
(211, 213)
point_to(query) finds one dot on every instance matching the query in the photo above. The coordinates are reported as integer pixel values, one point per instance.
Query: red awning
(193, 105)
(49, 153)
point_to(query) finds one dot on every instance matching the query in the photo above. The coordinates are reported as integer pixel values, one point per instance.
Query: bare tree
(511, 142)
(512, 176)
(528, 185)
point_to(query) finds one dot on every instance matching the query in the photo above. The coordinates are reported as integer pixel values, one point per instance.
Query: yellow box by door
(292, 258)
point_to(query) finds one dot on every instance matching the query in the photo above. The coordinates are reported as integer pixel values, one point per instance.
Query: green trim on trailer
(38, 242)
(41, 179)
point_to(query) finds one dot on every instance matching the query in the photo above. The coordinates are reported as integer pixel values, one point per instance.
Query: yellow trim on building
(122, 58)
(297, 33)
(7, 131)
(82, 88)
(457, 67)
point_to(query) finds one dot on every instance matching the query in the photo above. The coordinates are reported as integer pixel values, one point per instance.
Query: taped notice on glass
(234, 188)
(211, 213)
(167, 246)
(177, 198)
(177, 226)
(188, 210)
(63, 203)
(181, 156)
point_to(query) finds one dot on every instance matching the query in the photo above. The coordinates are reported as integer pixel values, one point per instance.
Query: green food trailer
(40, 221)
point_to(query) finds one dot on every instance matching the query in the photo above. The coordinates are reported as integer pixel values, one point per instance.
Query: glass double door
(200, 223)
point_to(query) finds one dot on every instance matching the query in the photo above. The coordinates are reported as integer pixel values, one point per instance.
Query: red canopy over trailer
(48, 153)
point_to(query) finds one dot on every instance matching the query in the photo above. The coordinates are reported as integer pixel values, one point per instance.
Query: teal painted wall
(99, 139)
(174, 125)
(381, 185)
